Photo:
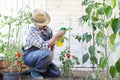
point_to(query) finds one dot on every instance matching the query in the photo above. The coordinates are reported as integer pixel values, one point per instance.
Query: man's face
(40, 27)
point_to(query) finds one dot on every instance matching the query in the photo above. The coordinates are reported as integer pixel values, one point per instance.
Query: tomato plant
(68, 62)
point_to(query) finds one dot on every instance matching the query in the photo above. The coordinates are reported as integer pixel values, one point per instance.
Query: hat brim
(42, 23)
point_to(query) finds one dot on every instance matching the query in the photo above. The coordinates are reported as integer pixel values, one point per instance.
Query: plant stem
(106, 54)
(20, 76)
(17, 34)
(9, 34)
(93, 44)
(69, 43)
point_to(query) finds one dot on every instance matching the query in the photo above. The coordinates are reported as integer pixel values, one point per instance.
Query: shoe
(36, 75)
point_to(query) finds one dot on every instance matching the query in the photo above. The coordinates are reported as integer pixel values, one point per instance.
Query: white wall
(63, 13)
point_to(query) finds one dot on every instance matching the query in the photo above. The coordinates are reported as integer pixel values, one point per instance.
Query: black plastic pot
(11, 75)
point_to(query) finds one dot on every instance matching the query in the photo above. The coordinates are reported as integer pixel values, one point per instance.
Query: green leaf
(85, 18)
(94, 18)
(78, 37)
(113, 3)
(61, 58)
(97, 4)
(85, 57)
(93, 60)
(108, 11)
(103, 62)
(106, 24)
(92, 50)
(118, 4)
(88, 9)
(84, 36)
(93, 76)
(86, 77)
(101, 10)
(99, 38)
(112, 71)
(112, 47)
(112, 38)
(93, 26)
(116, 25)
(117, 64)
(110, 22)
(85, 2)
(88, 38)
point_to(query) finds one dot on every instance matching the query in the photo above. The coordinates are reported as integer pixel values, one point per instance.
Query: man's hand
(60, 33)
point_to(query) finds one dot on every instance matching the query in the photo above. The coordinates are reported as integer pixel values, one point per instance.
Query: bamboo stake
(69, 41)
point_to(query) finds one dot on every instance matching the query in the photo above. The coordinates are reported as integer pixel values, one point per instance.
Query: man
(39, 47)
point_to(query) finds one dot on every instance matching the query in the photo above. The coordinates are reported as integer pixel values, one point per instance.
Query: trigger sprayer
(60, 41)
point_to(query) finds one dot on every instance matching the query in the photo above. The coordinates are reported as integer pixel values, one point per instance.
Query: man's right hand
(60, 33)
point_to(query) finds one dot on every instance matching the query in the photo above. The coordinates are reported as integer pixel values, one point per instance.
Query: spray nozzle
(62, 28)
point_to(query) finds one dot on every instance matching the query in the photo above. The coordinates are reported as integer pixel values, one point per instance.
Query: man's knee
(48, 55)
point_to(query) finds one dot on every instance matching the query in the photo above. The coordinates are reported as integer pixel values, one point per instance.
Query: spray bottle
(60, 41)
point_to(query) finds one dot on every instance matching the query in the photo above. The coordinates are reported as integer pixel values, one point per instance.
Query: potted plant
(13, 57)
(10, 40)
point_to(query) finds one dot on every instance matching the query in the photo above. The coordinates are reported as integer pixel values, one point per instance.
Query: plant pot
(4, 64)
(11, 75)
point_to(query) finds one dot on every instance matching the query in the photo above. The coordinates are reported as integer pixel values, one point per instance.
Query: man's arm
(52, 49)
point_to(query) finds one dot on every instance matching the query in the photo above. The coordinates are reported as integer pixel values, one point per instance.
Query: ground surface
(78, 74)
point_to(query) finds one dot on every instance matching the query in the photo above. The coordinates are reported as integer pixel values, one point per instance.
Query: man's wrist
(54, 38)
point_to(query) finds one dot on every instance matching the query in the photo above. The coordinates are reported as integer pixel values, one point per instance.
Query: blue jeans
(41, 61)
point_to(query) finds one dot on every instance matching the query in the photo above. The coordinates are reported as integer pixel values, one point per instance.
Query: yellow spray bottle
(60, 41)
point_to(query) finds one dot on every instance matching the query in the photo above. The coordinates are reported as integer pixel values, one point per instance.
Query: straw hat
(40, 17)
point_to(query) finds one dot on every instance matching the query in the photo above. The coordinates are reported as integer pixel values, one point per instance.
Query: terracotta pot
(4, 64)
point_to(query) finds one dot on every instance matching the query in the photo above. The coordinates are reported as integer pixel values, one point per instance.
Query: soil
(77, 75)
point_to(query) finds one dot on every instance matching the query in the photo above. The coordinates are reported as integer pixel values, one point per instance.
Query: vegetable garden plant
(105, 29)
(66, 58)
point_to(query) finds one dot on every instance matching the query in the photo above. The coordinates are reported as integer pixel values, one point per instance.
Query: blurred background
(64, 13)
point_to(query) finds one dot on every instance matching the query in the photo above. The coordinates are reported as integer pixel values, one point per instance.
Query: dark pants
(41, 61)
